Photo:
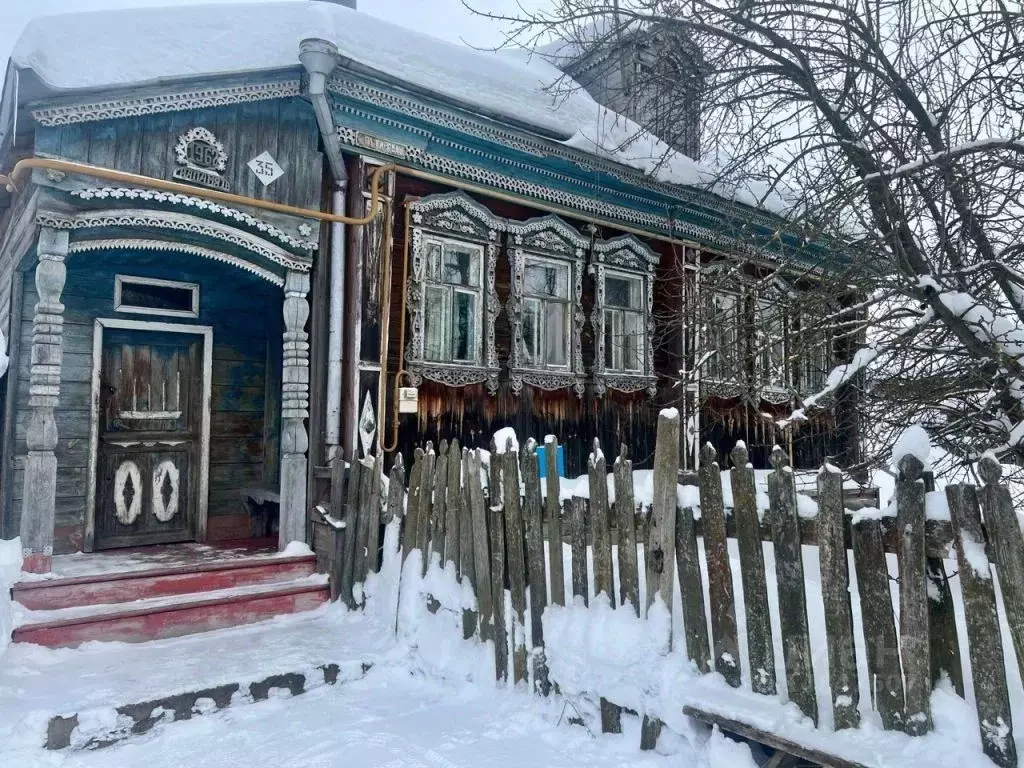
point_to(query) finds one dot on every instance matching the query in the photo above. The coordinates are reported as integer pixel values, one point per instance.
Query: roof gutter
(320, 57)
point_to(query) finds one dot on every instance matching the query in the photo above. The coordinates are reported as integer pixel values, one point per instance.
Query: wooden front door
(150, 413)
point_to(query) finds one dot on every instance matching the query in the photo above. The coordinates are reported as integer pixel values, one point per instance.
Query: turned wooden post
(40, 496)
(294, 409)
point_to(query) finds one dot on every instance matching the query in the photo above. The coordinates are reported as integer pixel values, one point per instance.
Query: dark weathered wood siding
(286, 128)
(472, 414)
(245, 313)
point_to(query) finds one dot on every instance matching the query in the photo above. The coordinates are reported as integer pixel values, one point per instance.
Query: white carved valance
(623, 321)
(452, 301)
(545, 310)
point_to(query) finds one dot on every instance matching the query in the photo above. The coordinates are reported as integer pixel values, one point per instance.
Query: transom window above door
(452, 300)
(545, 304)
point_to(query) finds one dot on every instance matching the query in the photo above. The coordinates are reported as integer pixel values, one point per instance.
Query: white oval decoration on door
(127, 492)
(165, 491)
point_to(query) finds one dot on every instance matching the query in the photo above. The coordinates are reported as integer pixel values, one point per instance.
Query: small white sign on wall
(266, 168)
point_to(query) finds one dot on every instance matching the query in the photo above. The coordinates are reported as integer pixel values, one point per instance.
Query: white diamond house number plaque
(266, 169)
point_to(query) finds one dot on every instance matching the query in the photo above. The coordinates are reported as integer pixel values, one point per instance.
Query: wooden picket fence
(495, 533)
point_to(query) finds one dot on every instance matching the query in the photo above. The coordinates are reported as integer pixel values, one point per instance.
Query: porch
(154, 395)
(148, 593)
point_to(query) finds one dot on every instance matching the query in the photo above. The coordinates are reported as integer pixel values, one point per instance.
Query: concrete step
(129, 586)
(170, 616)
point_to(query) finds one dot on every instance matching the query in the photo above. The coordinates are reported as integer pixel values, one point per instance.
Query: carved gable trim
(173, 221)
(456, 216)
(178, 101)
(627, 255)
(550, 238)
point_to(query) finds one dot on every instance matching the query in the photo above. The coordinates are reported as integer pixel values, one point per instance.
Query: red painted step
(128, 586)
(173, 616)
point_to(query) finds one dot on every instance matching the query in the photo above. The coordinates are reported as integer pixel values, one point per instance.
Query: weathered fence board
(982, 619)
(536, 574)
(478, 518)
(516, 563)
(355, 474)
(726, 648)
(453, 507)
(396, 490)
(466, 546)
(413, 505)
(496, 528)
(835, 592)
(666, 470)
(917, 713)
(625, 512)
(578, 539)
(755, 585)
(883, 653)
(373, 533)
(943, 644)
(363, 517)
(1007, 542)
(553, 514)
(603, 578)
(789, 573)
(426, 509)
(691, 588)
(337, 503)
(439, 512)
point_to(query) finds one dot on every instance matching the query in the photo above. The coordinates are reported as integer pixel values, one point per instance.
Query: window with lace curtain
(451, 301)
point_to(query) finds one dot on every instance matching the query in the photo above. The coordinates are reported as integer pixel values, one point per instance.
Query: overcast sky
(447, 19)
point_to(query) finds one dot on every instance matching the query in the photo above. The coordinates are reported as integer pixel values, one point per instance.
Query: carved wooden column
(294, 409)
(39, 498)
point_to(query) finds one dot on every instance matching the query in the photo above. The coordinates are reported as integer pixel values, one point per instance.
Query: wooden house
(195, 343)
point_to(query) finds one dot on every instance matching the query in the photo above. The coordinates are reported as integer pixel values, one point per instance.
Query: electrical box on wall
(408, 399)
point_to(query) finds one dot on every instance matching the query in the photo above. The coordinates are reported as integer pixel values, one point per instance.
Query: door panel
(150, 392)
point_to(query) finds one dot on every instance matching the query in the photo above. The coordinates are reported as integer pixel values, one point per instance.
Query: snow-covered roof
(110, 49)
(107, 50)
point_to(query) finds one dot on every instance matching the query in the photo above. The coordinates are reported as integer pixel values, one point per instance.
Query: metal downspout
(320, 57)
(335, 323)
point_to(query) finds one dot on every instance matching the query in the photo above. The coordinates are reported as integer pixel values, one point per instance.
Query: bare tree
(891, 135)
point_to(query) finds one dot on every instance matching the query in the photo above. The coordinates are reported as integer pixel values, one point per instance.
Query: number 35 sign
(266, 169)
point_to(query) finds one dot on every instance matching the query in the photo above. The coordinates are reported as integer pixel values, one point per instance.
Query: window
(622, 317)
(546, 314)
(150, 296)
(624, 332)
(544, 307)
(452, 301)
(723, 337)
(770, 352)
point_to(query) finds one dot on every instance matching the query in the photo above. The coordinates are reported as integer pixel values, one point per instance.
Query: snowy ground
(390, 718)
(431, 700)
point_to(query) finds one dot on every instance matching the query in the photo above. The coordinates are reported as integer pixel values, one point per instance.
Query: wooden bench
(786, 751)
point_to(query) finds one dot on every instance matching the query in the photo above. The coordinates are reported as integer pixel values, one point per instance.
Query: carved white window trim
(628, 256)
(546, 239)
(120, 306)
(718, 282)
(454, 217)
(750, 297)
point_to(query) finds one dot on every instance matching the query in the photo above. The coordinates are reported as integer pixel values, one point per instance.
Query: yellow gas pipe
(69, 166)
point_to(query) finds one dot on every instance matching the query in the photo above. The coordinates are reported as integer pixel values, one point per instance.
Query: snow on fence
(486, 516)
